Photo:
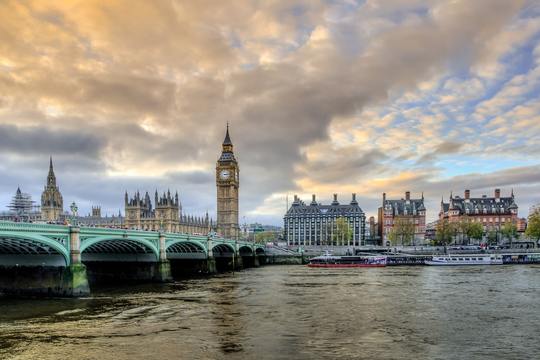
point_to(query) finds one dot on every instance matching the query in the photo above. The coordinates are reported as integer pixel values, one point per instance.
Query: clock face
(224, 174)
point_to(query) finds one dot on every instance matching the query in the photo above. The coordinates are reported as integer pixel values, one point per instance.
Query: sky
(322, 97)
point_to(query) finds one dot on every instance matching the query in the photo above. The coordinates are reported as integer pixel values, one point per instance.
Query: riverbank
(409, 259)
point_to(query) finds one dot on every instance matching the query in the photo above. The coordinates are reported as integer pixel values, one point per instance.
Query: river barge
(329, 261)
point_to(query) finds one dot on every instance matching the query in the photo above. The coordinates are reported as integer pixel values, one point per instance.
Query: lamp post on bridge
(74, 209)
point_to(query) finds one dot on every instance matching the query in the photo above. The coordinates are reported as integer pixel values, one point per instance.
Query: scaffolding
(22, 206)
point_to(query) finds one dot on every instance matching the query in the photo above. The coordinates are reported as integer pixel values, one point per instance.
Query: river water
(291, 312)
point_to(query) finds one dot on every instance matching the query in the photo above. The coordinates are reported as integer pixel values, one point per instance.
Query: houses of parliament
(163, 214)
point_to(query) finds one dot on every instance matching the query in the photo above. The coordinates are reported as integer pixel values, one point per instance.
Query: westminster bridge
(62, 260)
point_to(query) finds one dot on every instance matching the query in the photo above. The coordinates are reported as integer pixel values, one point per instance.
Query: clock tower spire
(228, 183)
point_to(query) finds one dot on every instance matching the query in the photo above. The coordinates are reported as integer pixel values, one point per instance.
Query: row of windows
(412, 221)
(326, 216)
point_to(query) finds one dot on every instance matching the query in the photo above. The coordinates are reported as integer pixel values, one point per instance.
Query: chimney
(383, 198)
(467, 194)
(497, 193)
(354, 197)
(407, 195)
(335, 197)
(313, 197)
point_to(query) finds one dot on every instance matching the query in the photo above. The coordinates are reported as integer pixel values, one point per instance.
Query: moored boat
(329, 261)
(450, 260)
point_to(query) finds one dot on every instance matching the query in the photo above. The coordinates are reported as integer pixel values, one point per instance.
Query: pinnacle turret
(227, 140)
(51, 178)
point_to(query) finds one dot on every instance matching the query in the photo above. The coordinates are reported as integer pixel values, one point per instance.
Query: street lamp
(74, 215)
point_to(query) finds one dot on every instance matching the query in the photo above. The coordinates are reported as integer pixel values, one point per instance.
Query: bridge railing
(11, 225)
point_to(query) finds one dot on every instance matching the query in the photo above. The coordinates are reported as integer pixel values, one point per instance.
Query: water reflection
(227, 315)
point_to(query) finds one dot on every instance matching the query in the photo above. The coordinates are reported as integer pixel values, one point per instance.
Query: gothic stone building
(228, 184)
(315, 224)
(411, 210)
(164, 215)
(95, 219)
(491, 212)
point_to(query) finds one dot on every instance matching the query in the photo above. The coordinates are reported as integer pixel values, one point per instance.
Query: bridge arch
(245, 250)
(114, 248)
(32, 248)
(260, 251)
(223, 250)
(186, 249)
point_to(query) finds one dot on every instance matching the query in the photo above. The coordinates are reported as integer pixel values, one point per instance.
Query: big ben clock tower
(227, 182)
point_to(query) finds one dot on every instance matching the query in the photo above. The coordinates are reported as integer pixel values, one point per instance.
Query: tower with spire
(52, 204)
(228, 184)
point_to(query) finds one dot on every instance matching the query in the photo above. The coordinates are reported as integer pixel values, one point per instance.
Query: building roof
(299, 208)
(226, 156)
(481, 206)
(227, 140)
(404, 206)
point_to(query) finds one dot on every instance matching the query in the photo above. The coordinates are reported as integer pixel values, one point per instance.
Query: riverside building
(317, 224)
(409, 210)
(491, 212)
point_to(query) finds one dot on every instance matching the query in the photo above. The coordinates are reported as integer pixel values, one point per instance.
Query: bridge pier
(55, 281)
(75, 281)
(75, 277)
(163, 268)
(256, 262)
(210, 266)
(238, 263)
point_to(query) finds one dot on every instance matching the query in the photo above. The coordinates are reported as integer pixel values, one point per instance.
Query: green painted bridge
(70, 247)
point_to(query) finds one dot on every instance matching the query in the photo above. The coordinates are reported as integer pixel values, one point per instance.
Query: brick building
(407, 209)
(491, 212)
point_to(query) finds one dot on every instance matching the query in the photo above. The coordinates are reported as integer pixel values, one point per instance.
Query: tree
(262, 237)
(463, 228)
(492, 237)
(402, 232)
(533, 226)
(475, 231)
(443, 232)
(509, 231)
(342, 232)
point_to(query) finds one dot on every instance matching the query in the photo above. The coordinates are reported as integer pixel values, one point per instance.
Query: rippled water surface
(291, 312)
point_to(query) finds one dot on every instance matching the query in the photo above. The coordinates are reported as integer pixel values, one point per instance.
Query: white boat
(449, 260)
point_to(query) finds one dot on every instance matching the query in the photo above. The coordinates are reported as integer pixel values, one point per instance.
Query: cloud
(320, 96)
(444, 148)
(41, 140)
